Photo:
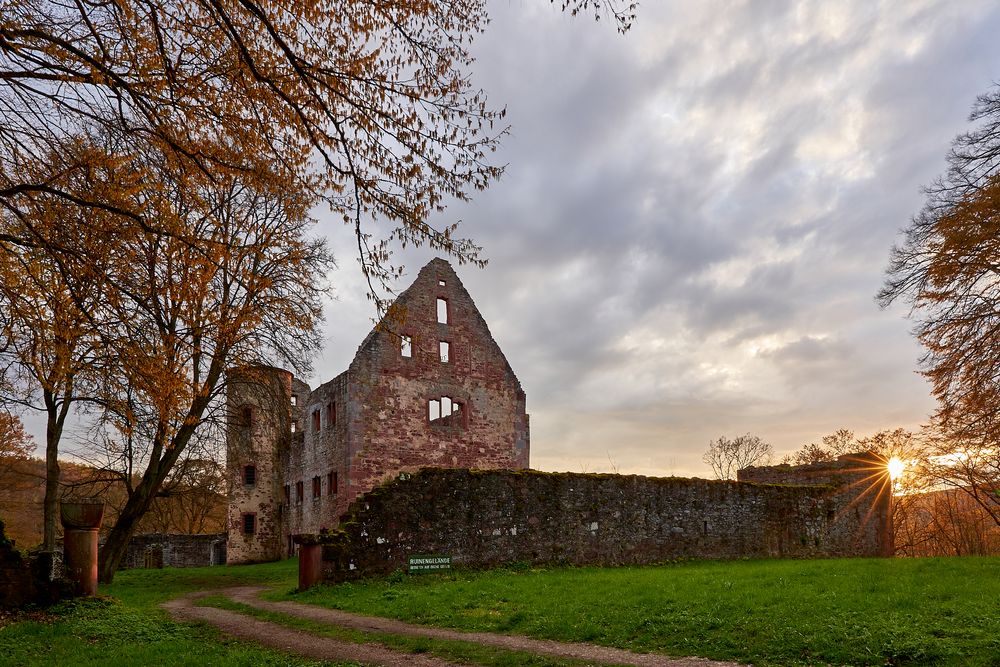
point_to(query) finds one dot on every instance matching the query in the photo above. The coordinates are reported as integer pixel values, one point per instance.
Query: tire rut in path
(274, 635)
(587, 652)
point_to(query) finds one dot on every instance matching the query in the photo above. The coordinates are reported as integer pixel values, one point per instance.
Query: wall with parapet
(486, 518)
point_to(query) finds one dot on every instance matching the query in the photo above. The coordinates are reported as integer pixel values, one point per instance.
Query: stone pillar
(81, 522)
(310, 560)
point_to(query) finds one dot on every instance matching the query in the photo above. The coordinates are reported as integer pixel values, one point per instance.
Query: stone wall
(864, 486)
(26, 580)
(485, 518)
(163, 550)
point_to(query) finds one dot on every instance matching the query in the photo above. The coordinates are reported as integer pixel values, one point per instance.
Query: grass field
(126, 627)
(871, 612)
(863, 612)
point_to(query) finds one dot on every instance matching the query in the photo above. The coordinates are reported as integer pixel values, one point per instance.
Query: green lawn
(872, 612)
(126, 627)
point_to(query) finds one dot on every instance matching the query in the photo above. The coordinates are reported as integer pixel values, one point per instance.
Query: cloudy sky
(696, 217)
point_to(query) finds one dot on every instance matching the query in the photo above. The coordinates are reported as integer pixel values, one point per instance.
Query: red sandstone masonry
(373, 420)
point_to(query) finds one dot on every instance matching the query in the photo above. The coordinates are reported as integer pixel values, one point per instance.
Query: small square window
(406, 346)
(442, 311)
(444, 349)
(249, 524)
(440, 283)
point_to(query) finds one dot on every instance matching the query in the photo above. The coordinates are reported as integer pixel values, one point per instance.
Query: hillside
(194, 505)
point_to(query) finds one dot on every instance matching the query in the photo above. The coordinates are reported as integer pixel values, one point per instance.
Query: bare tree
(163, 106)
(376, 116)
(838, 443)
(946, 269)
(47, 342)
(727, 456)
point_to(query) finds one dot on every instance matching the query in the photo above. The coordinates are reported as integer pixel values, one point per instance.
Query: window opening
(316, 418)
(246, 416)
(249, 524)
(288, 494)
(444, 347)
(440, 283)
(295, 400)
(406, 346)
(317, 487)
(444, 410)
(299, 493)
(250, 475)
(331, 483)
(295, 427)
(331, 414)
(442, 311)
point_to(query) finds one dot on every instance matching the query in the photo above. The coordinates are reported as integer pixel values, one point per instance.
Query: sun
(895, 466)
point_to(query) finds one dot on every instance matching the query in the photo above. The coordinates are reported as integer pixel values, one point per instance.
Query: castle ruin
(428, 387)
(429, 423)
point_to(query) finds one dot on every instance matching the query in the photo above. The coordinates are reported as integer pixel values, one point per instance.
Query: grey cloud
(711, 135)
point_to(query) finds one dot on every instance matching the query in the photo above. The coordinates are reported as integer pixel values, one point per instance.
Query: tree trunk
(116, 545)
(50, 507)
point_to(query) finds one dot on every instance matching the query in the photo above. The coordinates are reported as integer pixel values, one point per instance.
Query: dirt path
(249, 628)
(285, 639)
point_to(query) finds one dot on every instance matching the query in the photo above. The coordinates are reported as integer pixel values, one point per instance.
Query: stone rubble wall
(487, 518)
(26, 580)
(177, 550)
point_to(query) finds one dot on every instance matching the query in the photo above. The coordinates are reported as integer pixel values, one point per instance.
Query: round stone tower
(259, 414)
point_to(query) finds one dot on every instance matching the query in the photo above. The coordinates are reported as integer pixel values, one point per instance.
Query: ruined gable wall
(485, 518)
(390, 430)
